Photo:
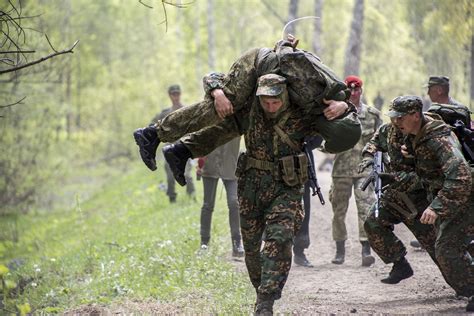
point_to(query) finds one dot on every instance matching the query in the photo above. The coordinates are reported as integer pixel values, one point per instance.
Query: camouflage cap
(437, 80)
(404, 105)
(174, 88)
(271, 85)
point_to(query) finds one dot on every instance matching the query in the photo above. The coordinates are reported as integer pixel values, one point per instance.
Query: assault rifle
(313, 180)
(374, 178)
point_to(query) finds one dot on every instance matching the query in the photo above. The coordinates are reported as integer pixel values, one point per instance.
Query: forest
(78, 209)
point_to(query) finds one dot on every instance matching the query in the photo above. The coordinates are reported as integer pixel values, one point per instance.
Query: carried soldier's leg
(238, 85)
(339, 195)
(200, 144)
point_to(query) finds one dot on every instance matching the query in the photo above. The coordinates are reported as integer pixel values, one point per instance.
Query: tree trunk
(318, 27)
(472, 70)
(354, 45)
(292, 14)
(211, 40)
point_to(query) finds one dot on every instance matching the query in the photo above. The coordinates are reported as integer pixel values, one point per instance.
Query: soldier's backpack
(458, 116)
(309, 80)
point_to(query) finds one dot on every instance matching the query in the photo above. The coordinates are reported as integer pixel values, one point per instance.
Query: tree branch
(8, 105)
(270, 8)
(40, 60)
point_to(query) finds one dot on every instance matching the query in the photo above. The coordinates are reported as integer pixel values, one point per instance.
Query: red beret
(353, 82)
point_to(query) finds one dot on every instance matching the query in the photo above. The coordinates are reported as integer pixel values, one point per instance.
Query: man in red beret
(345, 178)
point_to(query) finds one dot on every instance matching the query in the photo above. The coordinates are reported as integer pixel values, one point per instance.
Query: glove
(387, 178)
(366, 162)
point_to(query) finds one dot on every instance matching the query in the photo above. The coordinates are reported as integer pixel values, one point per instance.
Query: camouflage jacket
(442, 169)
(389, 139)
(262, 142)
(346, 163)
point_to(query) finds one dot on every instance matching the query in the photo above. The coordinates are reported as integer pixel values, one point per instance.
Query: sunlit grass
(125, 243)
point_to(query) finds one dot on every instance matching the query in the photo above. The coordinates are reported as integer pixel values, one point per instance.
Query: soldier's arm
(378, 142)
(456, 187)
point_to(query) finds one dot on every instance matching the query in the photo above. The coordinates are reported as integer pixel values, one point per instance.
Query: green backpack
(459, 117)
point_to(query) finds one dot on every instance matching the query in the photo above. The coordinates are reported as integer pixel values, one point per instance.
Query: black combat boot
(401, 270)
(340, 252)
(264, 306)
(367, 258)
(300, 260)
(470, 305)
(177, 156)
(147, 141)
(237, 248)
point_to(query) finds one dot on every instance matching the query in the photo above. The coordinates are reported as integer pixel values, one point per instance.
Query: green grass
(124, 243)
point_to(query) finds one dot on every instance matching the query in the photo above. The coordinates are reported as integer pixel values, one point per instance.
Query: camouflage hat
(404, 105)
(174, 88)
(437, 80)
(271, 85)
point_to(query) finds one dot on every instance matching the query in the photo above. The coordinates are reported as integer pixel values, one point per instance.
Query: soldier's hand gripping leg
(147, 141)
(176, 155)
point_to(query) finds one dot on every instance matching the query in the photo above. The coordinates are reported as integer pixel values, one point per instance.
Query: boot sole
(172, 161)
(390, 281)
(144, 154)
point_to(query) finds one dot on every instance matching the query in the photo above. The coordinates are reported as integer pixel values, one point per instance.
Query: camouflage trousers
(380, 230)
(451, 251)
(339, 195)
(270, 212)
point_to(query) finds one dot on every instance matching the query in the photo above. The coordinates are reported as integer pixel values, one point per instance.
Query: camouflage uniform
(345, 177)
(171, 184)
(446, 176)
(393, 210)
(270, 201)
(307, 86)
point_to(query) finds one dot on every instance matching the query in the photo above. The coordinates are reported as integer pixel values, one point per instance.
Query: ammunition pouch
(293, 170)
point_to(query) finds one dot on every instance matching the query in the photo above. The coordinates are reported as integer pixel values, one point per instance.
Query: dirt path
(351, 288)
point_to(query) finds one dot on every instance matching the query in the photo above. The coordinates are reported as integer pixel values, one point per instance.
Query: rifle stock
(313, 180)
(374, 178)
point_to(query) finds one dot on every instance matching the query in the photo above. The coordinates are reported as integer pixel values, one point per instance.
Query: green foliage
(81, 108)
(126, 242)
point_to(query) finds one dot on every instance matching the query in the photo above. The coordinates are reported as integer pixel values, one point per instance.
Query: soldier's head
(272, 94)
(354, 84)
(174, 92)
(438, 89)
(406, 113)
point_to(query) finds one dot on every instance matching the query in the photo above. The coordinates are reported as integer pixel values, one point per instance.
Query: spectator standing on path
(221, 164)
(345, 178)
(174, 92)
